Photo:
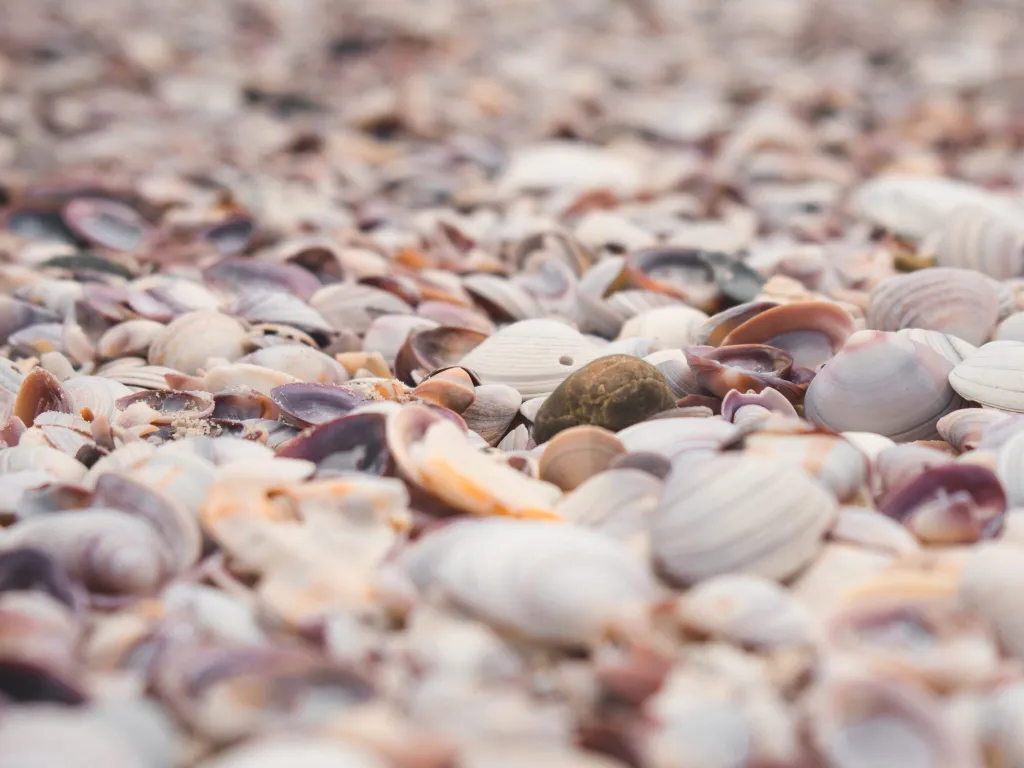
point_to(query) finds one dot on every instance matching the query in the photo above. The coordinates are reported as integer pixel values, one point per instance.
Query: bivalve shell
(993, 376)
(976, 238)
(188, 343)
(711, 520)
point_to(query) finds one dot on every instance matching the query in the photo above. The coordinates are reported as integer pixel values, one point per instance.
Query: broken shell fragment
(744, 367)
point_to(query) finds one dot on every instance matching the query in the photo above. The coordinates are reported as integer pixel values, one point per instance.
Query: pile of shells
(469, 385)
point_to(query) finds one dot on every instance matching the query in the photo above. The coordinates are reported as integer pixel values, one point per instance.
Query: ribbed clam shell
(882, 383)
(678, 439)
(534, 356)
(954, 349)
(493, 409)
(263, 306)
(980, 239)
(831, 460)
(917, 206)
(671, 363)
(96, 393)
(963, 429)
(747, 610)
(675, 326)
(954, 301)
(709, 522)
(616, 502)
(993, 376)
(352, 307)
(189, 342)
(551, 583)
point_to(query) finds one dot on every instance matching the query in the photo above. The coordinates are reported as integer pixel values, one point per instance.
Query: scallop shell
(710, 521)
(882, 383)
(533, 356)
(980, 239)
(550, 583)
(954, 301)
(993, 376)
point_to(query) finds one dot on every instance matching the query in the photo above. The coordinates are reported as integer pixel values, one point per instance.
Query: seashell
(188, 343)
(300, 361)
(745, 367)
(671, 363)
(447, 466)
(131, 372)
(455, 316)
(501, 298)
(917, 206)
(949, 504)
(617, 502)
(551, 282)
(105, 222)
(684, 274)
(534, 356)
(425, 351)
(963, 429)
(750, 407)
(353, 307)
(450, 388)
(950, 347)
(774, 534)
(576, 454)
(882, 383)
(356, 442)
(854, 716)
(387, 334)
(829, 459)
(674, 326)
(991, 574)
(157, 294)
(1008, 466)
(541, 569)
(17, 315)
(245, 275)
(61, 467)
(811, 332)
(612, 392)
(40, 392)
(992, 375)
(840, 567)
(718, 326)
(264, 306)
(305, 404)
(747, 610)
(494, 408)
(169, 405)
(916, 639)
(132, 337)
(1010, 329)
(264, 335)
(679, 440)
(56, 736)
(867, 528)
(974, 237)
(957, 302)
(283, 751)
(108, 551)
(900, 463)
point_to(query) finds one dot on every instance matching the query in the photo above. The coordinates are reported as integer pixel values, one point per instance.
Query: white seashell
(993, 376)
(552, 583)
(990, 584)
(570, 165)
(271, 470)
(183, 477)
(711, 520)
(964, 429)
(1010, 469)
(954, 301)
(288, 751)
(14, 484)
(871, 529)
(982, 240)
(617, 502)
(189, 342)
(834, 462)
(949, 346)
(132, 337)
(503, 295)
(675, 326)
(61, 467)
(533, 356)
(747, 610)
(671, 363)
(528, 410)
(1011, 329)
(352, 307)
(300, 361)
(264, 306)
(839, 567)
(96, 393)
(447, 466)
(124, 459)
(222, 378)
(678, 440)
(634, 346)
(916, 206)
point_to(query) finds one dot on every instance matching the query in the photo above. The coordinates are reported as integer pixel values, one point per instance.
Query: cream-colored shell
(993, 376)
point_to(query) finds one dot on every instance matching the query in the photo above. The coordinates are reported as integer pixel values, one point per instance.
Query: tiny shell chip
(551, 583)
(736, 513)
(449, 467)
(993, 376)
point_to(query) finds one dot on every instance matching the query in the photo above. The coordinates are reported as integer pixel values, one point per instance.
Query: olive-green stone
(611, 392)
